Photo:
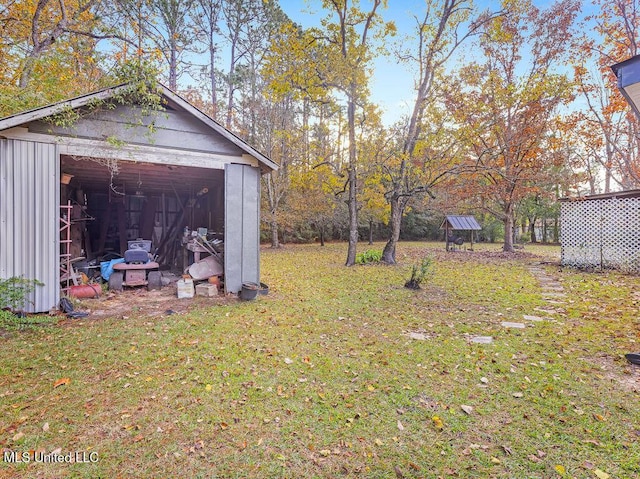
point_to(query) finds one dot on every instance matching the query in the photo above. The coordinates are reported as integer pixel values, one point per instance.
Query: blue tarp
(106, 267)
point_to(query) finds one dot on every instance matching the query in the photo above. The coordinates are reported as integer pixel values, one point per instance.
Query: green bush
(13, 297)
(369, 256)
(420, 273)
(14, 292)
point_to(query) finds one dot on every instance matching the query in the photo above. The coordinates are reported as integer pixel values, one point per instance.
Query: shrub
(369, 256)
(14, 292)
(13, 296)
(420, 273)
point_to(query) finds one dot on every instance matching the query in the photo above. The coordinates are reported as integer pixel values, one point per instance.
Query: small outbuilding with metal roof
(452, 223)
(117, 171)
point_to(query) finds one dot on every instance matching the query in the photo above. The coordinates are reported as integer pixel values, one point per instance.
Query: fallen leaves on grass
(437, 422)
(560, 470)
(61, 382)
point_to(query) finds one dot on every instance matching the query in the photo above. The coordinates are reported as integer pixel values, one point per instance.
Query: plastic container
(185, 288)
(249, 291)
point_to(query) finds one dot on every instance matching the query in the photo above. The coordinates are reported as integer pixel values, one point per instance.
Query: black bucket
(249, 291)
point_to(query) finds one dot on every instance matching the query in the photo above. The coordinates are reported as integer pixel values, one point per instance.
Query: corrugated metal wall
(242, 226)
(29, 218)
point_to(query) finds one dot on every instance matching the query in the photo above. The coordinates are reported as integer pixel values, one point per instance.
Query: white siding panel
(29, 224)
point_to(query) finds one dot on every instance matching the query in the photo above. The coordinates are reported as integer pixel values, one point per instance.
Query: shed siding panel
(251, 224)
(242, 226)
(29, 211)
(172, 130)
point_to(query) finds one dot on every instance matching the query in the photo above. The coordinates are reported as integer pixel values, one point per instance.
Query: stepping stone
(482, 339)
(532, 318)
(418, 336)
(552, 301)
(547, 310)
(552, 294)
(508, 324)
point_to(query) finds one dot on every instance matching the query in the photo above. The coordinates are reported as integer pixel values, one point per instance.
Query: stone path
(552, 293)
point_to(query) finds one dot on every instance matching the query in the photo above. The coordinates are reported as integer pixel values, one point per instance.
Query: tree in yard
(505, 106)
(206, 20)
(47, 51)
(312, 201)
(335, 58)
(446, 24)
(247, 27)
(611, 130)
(343, 57)
(280, 140)
(163, 29)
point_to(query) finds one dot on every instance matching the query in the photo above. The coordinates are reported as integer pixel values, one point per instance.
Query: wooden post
(122, 227)
(446, 235)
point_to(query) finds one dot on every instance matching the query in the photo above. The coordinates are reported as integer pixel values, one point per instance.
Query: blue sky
(392, 85)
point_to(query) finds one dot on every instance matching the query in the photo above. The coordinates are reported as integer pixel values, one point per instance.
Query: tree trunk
(322, 236)
(370, 232)
(353, 200)
(397, 208)
(213, 79)
(275, 242)
(508, 231)
(231, 86)
(532, 231)
(173, 67)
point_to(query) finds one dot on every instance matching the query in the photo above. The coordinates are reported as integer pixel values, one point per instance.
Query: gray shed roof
(173, 100)
(460, 222)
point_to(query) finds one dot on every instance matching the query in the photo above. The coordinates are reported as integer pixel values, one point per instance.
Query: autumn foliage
(513, 106)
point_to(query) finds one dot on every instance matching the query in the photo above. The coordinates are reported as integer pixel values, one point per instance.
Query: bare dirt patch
(619, 371)
(149, 303)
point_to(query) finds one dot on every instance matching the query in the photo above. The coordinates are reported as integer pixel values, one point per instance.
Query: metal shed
(453, 223)
(126, 172)
(601, 231)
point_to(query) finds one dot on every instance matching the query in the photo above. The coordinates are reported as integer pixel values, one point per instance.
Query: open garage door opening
(115, 203)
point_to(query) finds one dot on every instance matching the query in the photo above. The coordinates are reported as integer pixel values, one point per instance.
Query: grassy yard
(324, 378)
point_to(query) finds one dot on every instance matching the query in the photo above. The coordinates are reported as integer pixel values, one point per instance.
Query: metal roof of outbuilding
(460, 222)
